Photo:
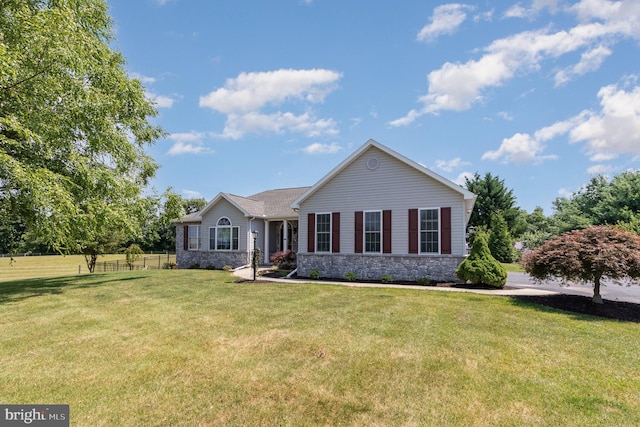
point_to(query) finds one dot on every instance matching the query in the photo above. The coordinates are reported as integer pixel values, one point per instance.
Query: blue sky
(258, 95)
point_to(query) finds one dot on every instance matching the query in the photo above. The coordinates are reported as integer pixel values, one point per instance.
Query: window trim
(365, 232)
(329, 233)
(437, 230)
(234, 241)
(197, 238)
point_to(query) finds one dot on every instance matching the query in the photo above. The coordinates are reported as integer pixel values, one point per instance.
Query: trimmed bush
(480, 267)
(284, 259)
(350, 276)
(314, 274)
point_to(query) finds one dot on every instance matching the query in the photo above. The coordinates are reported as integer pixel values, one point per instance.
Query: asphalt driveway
(609, 290)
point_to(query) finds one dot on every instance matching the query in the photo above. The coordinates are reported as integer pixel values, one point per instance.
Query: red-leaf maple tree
(587, 255)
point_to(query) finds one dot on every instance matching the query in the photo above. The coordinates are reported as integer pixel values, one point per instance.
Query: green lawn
(28, 267)
(190, 347)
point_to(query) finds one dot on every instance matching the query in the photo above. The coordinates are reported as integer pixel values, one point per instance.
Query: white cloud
(505, 116)
(589, 61)
(565, 192)
(445, 20)
(607, 134)
(516, 11)
(450, 165)
(160, 101)
(458, 86)
(143, 79)
(520, 148)
(599, 169)
(188, 143)
(615, 130)
(519, 11)
(462, 178)
(317, 148)
(242, 99)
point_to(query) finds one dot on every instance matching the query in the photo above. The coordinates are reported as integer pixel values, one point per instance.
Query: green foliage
(227, 267)
(500, 242)
(424, 281)
(133, 253)
(480, 267)
(73, 126)
(350, 276)
(587, 255)
(386, 278)
(169, 265)
(284, 259)
(314, 274)
(601, 202)
(494, 196)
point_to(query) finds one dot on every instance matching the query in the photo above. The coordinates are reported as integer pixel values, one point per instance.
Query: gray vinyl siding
(394, 186)
(224, 209)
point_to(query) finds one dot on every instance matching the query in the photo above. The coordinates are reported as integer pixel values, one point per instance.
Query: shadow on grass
(581, 307)
(18, 290)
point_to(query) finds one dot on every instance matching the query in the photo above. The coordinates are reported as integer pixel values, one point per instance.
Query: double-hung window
(194, 237)
(223, 237)
(372, 231)
(323, 232)
(429, 230)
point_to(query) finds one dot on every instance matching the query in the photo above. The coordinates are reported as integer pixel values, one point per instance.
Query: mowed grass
(28, 267)
(192, 348)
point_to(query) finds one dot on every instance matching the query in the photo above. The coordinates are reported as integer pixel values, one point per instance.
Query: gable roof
(468, 196)
(267, 204)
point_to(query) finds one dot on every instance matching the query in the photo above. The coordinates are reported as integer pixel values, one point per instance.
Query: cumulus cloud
(606, 134)
(520, 148)
(458, 86)
(317, 148)
(615, 129)
(161, 101)
(450, 165)
(243, 98)
(519, 11)
(188, 143)
(589, 61)
(445, 20)
(462, 178)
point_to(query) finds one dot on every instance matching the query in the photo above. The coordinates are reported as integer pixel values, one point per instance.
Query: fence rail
(147, 263)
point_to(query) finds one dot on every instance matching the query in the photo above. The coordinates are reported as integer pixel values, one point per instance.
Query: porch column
(266, 242)
(285, 235)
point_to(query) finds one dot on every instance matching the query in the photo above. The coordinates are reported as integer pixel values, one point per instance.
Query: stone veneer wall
(373, 267)
(216, 259)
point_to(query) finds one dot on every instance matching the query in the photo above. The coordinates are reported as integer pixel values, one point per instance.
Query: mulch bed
(619, 310)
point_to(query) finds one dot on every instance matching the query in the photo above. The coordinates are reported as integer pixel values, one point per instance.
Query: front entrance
(288, 240)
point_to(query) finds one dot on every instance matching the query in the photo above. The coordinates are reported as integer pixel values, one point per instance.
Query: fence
(147, 263)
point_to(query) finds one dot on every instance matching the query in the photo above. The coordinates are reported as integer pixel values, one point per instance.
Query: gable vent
(372, 163)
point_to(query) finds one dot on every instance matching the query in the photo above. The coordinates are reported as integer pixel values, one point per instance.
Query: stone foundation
(204, 259)
(372, 267)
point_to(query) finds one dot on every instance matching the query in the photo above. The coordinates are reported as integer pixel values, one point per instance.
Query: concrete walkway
(247, 274)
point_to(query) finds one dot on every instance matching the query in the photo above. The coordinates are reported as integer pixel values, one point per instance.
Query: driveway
(609, 289)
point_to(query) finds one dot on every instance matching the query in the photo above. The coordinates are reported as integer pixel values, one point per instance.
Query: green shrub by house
(480, 267)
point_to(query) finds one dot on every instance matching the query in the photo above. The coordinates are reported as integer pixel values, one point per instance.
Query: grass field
(29, 267)
(190, 347)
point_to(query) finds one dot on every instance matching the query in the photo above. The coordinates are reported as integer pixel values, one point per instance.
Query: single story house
(376, 213)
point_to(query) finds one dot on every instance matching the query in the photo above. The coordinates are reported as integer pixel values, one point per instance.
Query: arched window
(223, 237)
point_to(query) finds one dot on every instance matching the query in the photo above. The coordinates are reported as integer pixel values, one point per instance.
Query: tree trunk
(596, 291)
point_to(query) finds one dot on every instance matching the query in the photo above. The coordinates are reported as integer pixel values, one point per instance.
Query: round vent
(372, 163)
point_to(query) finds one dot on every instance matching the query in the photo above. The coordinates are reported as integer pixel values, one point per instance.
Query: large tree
(494, 197)
(587, 255)
(601, 201)
(73, 125)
